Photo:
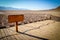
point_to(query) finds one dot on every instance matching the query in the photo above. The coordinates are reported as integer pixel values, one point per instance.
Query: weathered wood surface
(15, 18)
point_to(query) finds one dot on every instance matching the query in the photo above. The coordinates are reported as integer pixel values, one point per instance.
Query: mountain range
(10, 8)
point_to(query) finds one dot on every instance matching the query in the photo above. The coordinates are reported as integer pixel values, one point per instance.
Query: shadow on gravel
(2, 27)
(33, 36)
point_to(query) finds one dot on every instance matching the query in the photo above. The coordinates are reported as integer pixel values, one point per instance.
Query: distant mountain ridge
(10, 8)
(58, 8)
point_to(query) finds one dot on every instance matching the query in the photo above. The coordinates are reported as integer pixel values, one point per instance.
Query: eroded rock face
(36, 17)
(28, 18)
(3, 20)
(56, 18)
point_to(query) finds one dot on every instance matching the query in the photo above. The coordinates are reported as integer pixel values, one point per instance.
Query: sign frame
(15, 18)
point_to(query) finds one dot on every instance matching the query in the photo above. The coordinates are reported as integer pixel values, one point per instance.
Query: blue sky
(31, 4)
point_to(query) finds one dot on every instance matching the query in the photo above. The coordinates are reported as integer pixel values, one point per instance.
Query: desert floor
(48, 29)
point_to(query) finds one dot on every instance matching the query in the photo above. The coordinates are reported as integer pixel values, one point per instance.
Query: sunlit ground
(47, 29)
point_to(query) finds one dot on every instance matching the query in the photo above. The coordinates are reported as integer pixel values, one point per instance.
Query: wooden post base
(16, 26)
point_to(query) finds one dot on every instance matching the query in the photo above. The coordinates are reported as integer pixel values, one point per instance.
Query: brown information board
(15, 18)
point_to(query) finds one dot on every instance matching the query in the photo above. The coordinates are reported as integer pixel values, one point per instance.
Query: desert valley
(37, 25)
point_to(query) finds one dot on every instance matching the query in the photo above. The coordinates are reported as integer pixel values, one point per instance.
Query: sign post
(16, 26)
(15, 18)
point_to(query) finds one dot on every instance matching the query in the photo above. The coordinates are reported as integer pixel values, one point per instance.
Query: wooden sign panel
(15, 18)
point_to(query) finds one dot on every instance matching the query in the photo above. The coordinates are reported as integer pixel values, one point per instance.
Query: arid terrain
(40, 23)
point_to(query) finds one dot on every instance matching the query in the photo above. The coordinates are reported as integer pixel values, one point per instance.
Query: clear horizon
(31, 4)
